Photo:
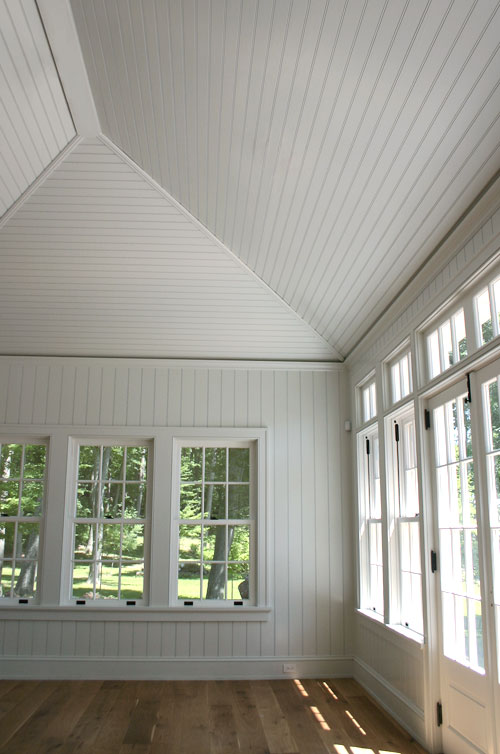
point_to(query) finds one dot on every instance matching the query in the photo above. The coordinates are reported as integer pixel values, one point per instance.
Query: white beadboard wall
(301, 407)
(36, 122)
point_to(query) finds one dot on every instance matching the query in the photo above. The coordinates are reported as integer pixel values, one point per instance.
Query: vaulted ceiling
(291, 164)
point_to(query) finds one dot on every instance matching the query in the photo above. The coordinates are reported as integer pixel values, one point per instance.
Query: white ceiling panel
(329, 144)
(98, 261)
(35, 123)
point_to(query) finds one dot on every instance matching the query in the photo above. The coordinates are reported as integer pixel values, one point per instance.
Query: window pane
(214, 581)
(89, 462)
(10, 461)
(25, 578)
(239, 464)
(494, 416)
(238, 501)
(32, 499)
(137, 463)
(112, 499)
(84, 543)
(191, 462)
(135, 500)
(238, 581)
(459, 325)
(190, 503)
(132, 581)
(484, 316)
(133, 542)
(7, 533)
(112, 462)
(434, 356)
(188, 587)
(239, 542)
(215, 501)
(83, 580)
(107, 581)
(189, 542)
(6, 579)
(214, 543)
(396, 383)
(28, 536)
(87, 500)
(108, 542)
(9, 498)
(215, 464)
(34, 461)
(446, 344)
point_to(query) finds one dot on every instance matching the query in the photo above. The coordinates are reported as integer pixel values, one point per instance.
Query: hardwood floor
(195, 717)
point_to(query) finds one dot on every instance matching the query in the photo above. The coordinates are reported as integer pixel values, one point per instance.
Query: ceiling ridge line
(44, 175)
(208, 234)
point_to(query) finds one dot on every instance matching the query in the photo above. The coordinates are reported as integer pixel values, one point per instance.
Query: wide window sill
(135, 613)
(400, 635)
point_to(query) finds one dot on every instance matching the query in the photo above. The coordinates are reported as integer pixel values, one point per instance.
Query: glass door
(464, 662)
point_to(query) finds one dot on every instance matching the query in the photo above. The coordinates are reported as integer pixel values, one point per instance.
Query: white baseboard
(172, 669)
(402, 709)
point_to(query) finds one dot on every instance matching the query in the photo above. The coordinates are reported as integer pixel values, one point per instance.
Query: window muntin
(215, 522)
(370, 523)
(368, 395)
(22, 491)
(400, 378)
(109, 527)
(447, 344)
(405, 536)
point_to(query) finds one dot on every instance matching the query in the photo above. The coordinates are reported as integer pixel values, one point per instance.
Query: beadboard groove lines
(109, 277)
(329, 145)
(36, 122)
(305, 571)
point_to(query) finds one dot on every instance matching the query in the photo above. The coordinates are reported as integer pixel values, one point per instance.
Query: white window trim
(370, 378)
(221, 437)
(404, 349)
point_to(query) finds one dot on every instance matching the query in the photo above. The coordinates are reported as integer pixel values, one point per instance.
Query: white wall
(301, 407)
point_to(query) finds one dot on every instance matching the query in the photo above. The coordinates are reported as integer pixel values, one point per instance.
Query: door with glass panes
(459, 421)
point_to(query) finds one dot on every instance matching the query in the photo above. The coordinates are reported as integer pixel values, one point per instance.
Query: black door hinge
(396, 431)
(427, 419)
(439, 713)
(434, 561)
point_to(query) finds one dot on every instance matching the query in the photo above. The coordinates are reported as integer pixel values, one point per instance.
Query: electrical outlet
(289, 667)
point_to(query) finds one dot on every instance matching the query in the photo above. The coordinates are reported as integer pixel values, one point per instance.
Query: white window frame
(16, 439)
(366, 477)
(389, 363)
(395, 454)
(123, 440)
(259, 548)
(368, 384)
(435, 328)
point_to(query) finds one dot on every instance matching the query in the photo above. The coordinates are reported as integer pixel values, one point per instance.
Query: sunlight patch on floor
(355, 722)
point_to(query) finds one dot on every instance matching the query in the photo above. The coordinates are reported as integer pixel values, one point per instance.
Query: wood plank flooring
(195, 717)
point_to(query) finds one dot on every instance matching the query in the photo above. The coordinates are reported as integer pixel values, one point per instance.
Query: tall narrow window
(406, 575)
(487, 311)
(215, 522)
(22, 486)
(400, 377)
(370, 523)
(368, 396)
(110, 522)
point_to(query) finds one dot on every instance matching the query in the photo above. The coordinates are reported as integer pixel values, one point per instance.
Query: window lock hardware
(188, 602)
(131, 602)
(23, 602)
(238, 602)
(80, 602)
(434, 561)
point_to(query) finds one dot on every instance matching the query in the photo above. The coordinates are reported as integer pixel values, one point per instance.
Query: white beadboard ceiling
(330, 144)
(99, 261)
(35, 123)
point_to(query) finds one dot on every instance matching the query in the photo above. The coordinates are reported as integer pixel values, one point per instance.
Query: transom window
(487, 310)
(400, 379)
(22, 489)
(447, 344)
(215, 522)
(368, 394)
(111, 501)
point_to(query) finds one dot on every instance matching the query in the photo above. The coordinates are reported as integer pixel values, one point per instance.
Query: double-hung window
(110, 522)
(370, 522)
(215, 522)
(22, 490)
(404, 522)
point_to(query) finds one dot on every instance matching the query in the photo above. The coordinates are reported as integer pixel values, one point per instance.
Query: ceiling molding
(57, 19)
